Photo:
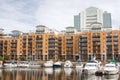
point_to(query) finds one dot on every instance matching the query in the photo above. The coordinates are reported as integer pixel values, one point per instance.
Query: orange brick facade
(86, 45)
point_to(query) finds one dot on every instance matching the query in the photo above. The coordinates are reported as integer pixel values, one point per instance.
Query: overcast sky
(24, 15)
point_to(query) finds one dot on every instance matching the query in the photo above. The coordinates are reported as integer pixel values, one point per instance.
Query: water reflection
(48, 70)
(68, 71)
(57, 70)
(111, 77)
(50, 74)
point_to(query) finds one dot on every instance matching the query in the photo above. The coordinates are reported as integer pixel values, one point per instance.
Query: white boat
(68, 64)
(79, 64)
(111, 68)
(48, 64)
(91, 67)
(34, 65)
(23, 64)
(57, 64)
(10, 65)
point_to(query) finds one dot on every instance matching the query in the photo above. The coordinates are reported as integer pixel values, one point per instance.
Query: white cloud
(56, 14)
(17, 15)
(59, 13)
(9, 25)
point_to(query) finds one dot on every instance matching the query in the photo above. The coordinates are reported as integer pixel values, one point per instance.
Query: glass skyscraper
(77, 22)
(107, 20)
(91, 15)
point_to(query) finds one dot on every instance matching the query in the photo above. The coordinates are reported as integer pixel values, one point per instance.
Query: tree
(1, 58)
(5, 56)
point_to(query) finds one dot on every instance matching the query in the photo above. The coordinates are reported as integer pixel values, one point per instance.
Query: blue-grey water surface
(50, 74)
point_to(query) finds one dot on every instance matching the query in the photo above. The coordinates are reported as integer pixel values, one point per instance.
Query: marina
(59, 40)
(92, 67)
(50, 74)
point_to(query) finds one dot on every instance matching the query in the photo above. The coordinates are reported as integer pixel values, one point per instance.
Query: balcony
(51, 48)
(96, 39)
(51, 41)
(39, 48)
(109, 43)
(13, 46)
(108, 40)
(109, 36)
(115, 40)
(115, 43)
(83, 41)
(39, 40)
(69, 45)
(30, 46)
(69, 42)
(83, 37)
(51, 45)
(13, 42)
(30, 38)
(83, 48)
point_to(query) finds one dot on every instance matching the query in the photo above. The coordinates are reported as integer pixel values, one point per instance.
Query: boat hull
(111, 68)
(10, 65)
(57, 66)
(110, 72)
(90, 71)
(48, 65)
(23, 65)
(79, 66)
(34, 66)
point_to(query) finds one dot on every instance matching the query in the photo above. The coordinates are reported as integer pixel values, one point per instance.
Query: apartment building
(102, 45)
(38, 46)
(85, 45)
(9, 46)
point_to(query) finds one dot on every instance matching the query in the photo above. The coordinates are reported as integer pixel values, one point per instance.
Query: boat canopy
(112, 61)
(93, 61)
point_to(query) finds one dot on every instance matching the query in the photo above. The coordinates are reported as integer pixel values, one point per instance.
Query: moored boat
(57, 64)
(23, 64)
(68, 64)
(10, 65)
(79, 64)
(91, 67)
(34, 64)
(48, 64)
(111, 68)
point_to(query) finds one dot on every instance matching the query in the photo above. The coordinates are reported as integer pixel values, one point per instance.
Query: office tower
(84, 20)
(107, 20)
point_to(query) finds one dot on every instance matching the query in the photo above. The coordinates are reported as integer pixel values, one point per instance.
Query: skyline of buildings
(92, 15)
(94, 37)
(44, 46)
(92, 19)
